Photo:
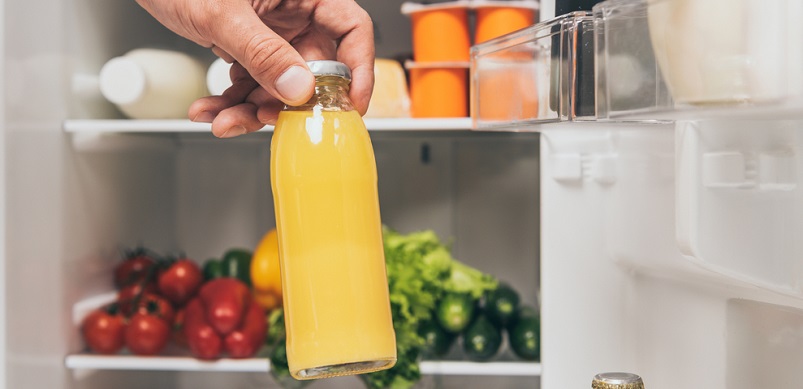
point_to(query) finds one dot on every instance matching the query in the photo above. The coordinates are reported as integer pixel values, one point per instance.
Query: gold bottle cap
(617, 381)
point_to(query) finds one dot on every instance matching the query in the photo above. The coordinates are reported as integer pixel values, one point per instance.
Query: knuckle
(364, 18)
(264, 55)
(204, 17)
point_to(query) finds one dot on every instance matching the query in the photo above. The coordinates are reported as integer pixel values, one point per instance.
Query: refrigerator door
(671, 251)
(671, 226)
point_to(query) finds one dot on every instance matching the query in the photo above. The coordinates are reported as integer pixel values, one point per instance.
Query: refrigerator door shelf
(629, 169)
(540, 74)
(739, 209)
(690, 59)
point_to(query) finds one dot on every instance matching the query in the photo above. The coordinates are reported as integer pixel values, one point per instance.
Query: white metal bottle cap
(122, 81)
(329, 68)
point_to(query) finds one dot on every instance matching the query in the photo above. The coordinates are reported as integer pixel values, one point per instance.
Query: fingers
(362, 86)
(269, 106)
(345, 21)
(269, 72)
(234, 112)
(237, 120)
(268, 112)
(223, 54)
(315, 45)
(230, 120)
(207, 108)
(270, 60)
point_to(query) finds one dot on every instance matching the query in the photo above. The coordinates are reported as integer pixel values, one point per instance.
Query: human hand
(269, 41)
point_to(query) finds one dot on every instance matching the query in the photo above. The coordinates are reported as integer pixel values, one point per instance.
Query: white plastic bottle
(153, 83)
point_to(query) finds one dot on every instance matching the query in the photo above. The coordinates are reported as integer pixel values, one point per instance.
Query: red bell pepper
(245, 341)
(204, 342)
(225, 302)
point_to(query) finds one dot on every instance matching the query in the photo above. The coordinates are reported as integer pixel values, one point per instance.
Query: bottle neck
(331, 94)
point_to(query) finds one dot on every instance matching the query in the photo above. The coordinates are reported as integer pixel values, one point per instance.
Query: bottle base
(344, 369)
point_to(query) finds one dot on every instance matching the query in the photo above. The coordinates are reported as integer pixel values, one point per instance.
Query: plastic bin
(700, 56)
(543, 73)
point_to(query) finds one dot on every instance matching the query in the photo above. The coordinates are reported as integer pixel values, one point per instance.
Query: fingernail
(295, 85)
(267, 118)
(234, 131)
(204, 117)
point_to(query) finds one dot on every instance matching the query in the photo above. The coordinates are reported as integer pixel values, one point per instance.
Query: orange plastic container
(438, 89)
(496, 19)
(440, 31)
(505, 93)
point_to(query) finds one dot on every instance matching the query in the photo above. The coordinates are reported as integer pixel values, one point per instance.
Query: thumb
(269, 59)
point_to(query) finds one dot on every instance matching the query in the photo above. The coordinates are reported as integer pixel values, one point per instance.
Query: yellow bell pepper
(266, 277)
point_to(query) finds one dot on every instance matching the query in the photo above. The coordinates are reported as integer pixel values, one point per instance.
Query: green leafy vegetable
(276, 331)
(465, 279)
(420, 271)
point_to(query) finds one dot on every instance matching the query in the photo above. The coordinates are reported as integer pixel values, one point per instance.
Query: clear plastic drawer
(697, 58)
(543, 73)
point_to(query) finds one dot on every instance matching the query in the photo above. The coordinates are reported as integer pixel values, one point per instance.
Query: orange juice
(335, 291)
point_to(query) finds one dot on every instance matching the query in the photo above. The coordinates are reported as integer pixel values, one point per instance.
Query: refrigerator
(640, 191)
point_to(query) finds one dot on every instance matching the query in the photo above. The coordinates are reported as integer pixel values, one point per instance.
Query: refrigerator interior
(669, 248)
(74, 199)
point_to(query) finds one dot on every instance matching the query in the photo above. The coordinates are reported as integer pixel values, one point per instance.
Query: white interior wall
(3, 221)
(392, 30)
(34, 107)
(546, 10)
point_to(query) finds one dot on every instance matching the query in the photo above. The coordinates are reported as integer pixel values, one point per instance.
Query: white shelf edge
(262, 365)
(435, 124)
(125, 125)
(163, 363)
(186, 126)
(481, 368)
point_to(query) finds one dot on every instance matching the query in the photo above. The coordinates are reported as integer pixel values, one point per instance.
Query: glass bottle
(324, 181)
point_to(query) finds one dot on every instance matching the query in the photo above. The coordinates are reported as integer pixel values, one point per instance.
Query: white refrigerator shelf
(186, 126)
(261, 365)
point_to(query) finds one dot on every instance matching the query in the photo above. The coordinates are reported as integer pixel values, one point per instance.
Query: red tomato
(180, 281)
(135, 269)
(178, 334)
(146, 334)
(129, 296)
(103, 331)
(156, 305)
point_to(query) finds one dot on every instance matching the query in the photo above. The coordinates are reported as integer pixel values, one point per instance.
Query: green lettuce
(420, 270)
